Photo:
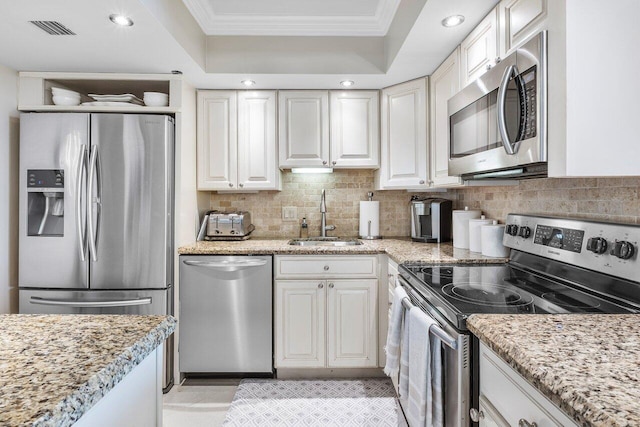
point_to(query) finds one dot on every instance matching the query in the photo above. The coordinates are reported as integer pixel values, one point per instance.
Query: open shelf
(35, 90)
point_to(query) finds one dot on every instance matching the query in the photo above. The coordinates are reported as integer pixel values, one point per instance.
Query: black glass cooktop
(457, 291)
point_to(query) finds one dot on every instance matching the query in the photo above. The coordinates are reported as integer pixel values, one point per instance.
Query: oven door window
(475, 127)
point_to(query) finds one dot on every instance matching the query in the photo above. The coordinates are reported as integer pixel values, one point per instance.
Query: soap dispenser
(304, 229)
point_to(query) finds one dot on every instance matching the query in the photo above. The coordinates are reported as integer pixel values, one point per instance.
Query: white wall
(9, 129)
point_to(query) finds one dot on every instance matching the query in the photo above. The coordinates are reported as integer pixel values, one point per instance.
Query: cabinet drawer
(346, 266)
(513, 397)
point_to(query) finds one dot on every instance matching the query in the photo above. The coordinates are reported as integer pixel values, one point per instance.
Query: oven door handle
(434, 329)
(509, 72)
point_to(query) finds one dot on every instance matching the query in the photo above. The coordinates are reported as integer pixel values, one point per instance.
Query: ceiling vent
(53, 28)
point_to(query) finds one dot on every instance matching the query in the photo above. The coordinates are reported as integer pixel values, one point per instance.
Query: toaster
(228, 224)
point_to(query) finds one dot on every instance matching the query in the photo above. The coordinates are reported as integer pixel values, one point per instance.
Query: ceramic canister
(491, 236)
(461, 226)
(475, 242)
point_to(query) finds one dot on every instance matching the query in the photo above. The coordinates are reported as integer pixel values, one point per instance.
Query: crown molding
(261, 25)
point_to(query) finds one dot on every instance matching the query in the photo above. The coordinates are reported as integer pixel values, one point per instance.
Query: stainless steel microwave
(498, 124)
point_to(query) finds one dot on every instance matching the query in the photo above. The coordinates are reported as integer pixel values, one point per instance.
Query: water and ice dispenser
(45, 205)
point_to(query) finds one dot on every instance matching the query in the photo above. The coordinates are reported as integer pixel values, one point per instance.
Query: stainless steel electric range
(556, 266)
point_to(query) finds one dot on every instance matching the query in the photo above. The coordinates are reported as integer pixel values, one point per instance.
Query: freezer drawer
(226, 314)
(38, 301)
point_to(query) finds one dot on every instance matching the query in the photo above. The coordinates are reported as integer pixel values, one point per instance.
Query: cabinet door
(403, 157)
(519, 20)
(444, 83)
(217, 140)
(303, 126)
(300, 323)
(480, 49)
(355, 138)
(352, 334)
(257, 157)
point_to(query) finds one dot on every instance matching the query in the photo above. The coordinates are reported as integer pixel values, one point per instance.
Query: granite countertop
(587, 364)
(401, 250)
(53, 368)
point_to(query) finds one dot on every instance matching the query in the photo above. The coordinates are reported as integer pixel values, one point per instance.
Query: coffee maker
(430, 219)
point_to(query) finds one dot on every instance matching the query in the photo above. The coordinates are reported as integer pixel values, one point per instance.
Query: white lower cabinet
(325, 322)
(300, 323)
(507, 399)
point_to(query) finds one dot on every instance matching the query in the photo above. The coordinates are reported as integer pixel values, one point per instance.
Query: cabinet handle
(389, 275)
(476, 415)
(331, 285)
(525, 423)
(488, 67)
(334, 162)
(320, 286)
(324, 162)
(241, 185)
(421, 182)
(230, 184)
(326, 268)
(498, 59)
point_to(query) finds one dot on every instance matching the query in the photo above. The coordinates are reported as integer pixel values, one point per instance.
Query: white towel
(394, 333)
(420, 411)
(436, 381)
(403, 386)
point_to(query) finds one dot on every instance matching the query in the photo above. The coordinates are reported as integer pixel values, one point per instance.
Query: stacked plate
(65, 96)
(125, 99)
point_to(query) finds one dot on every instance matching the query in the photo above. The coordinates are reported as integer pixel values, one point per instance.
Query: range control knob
(597, 245)
(524, 232)
(623, 250)
(511, 229)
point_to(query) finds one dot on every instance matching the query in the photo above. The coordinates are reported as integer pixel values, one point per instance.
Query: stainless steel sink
(325, 241)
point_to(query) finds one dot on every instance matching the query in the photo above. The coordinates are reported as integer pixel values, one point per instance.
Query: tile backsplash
(611, 199)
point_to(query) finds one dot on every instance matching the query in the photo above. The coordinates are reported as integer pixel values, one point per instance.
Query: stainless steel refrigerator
(96, 209)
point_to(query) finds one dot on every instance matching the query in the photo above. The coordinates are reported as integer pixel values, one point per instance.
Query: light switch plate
(289, 213)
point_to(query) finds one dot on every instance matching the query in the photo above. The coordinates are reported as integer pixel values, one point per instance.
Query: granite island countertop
(401, 250)
(54, 368)
(587, 364)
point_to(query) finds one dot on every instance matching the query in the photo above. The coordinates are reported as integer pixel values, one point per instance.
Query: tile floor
(198, 403)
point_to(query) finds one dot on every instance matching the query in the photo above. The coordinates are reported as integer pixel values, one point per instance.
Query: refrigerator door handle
(93, 235)
(90, 304)
(81, 227)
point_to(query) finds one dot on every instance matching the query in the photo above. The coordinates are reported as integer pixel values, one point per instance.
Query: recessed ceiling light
(347, 83)
(452, 21)
(248, 83)
(122, 20)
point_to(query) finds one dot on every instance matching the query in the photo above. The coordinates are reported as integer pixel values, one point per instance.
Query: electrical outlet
(289, 213)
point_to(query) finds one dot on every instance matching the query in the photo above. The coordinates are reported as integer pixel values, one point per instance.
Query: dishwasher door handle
(227, 265)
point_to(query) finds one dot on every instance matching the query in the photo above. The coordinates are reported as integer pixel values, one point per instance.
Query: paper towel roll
(461, 226)
(491, 236)
(369, 211)
(475, 242)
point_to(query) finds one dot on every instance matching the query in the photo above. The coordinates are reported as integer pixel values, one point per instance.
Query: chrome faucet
(323, 221)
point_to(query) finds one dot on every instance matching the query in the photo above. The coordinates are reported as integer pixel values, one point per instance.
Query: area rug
(309, 403)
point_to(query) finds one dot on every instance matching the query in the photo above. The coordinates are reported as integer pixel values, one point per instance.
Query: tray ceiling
(294, 17)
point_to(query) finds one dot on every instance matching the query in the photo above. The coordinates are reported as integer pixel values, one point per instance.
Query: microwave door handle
(509, 72)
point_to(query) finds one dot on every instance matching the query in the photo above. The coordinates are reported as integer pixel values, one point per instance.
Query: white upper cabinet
(217, 140)
(403, 157)
(237, 141)
(257, 148)
(519, 20)
(304, 128)
(479, 51)
(355, 136)
(443, 84)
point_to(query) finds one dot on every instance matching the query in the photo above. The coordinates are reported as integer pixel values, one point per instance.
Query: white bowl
(64, 92)
(66, 100)
(156, 99)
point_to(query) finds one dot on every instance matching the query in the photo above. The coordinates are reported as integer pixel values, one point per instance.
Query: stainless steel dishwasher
(226, 320)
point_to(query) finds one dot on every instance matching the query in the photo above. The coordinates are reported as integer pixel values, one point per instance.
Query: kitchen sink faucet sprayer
(323, 221)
